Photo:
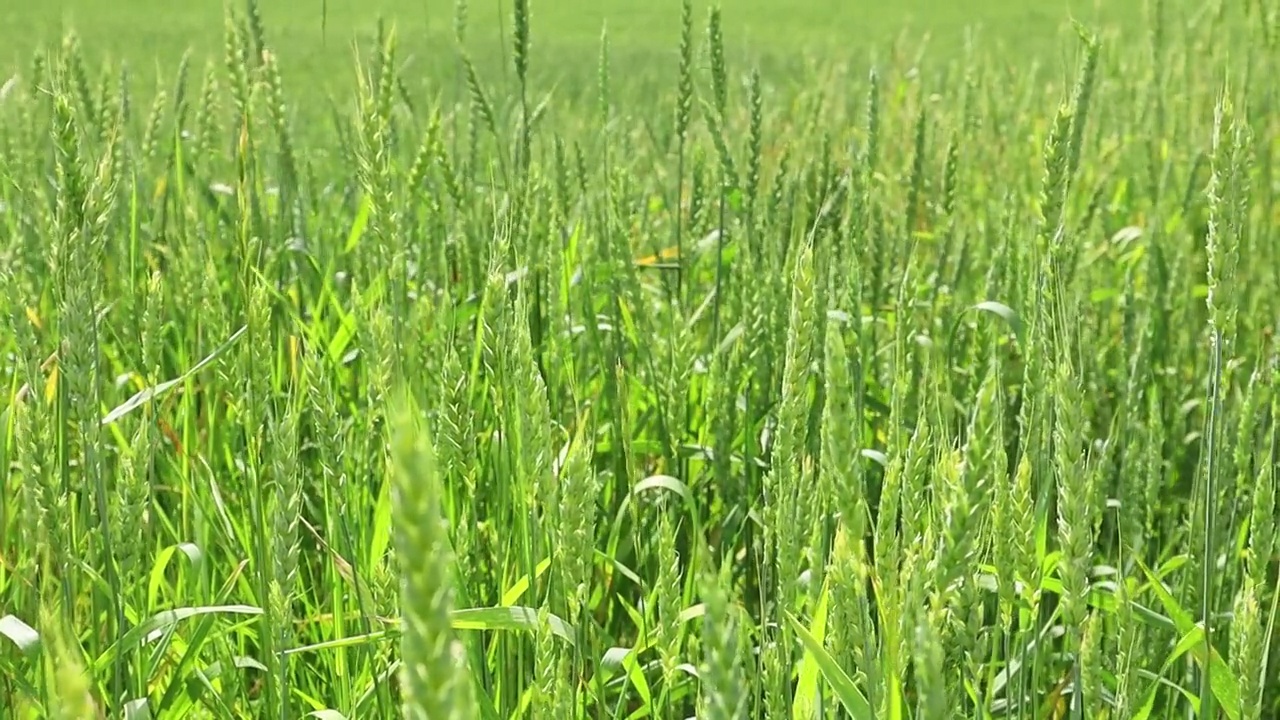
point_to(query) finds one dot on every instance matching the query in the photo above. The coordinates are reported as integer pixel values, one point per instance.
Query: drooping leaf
(508, 618)
(147, 394)
(1004, 312)
(140, 633)
(19, 633)
(1222, 682)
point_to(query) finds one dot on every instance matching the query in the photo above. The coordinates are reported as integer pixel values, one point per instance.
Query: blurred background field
(313, 36)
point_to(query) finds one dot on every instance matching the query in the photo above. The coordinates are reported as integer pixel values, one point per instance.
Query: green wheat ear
(65, 672)
(434, 683)
(722, 693)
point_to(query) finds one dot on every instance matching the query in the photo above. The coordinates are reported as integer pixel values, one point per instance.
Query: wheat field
(898, 386)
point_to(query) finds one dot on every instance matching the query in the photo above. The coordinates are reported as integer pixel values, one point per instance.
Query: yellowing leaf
(161, 186)
(670, 253)
(51, 386)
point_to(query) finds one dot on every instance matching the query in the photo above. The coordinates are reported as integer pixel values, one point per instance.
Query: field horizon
(314, 39)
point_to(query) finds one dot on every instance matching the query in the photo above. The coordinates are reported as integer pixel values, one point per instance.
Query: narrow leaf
(853, 701)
